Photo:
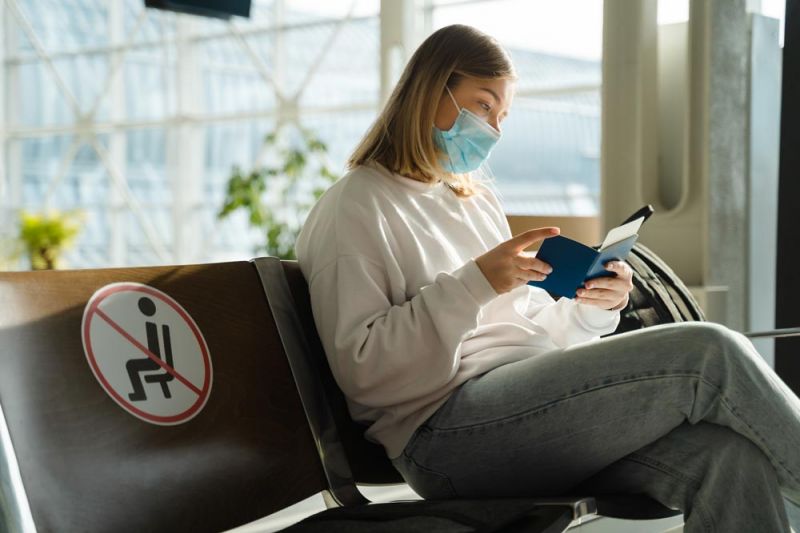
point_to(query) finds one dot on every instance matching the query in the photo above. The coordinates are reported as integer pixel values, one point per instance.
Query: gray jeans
(689, 414)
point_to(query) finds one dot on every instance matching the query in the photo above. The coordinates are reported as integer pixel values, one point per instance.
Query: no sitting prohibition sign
(147, 353)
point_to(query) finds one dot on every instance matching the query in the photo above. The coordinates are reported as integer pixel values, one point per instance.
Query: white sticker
(147, 353)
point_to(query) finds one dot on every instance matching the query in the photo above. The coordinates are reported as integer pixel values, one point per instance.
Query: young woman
(478, 384)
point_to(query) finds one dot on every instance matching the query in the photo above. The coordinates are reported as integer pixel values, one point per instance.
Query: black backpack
(658, 296)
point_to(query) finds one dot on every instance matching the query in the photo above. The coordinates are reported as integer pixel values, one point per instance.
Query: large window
(137, 116)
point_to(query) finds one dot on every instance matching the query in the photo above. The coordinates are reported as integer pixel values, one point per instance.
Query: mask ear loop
(453, 98)
(459, 110)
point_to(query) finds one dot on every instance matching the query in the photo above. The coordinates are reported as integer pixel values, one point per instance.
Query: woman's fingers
(601, 294)
(504, 266)
(607, 291)
(613, 284)
(532, 263)
(622, 281)
(604, 303)
(525, 239)
(622, 269)
(530, 275)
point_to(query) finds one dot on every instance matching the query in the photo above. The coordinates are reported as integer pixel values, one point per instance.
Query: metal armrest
(581, 506)
(15, 511)
(774, 333)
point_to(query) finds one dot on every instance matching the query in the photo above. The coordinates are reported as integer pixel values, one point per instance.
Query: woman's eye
(486, 107)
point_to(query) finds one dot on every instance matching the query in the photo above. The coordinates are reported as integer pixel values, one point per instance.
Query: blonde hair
(401, 138)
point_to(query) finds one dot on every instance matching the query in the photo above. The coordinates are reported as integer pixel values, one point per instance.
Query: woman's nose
(495, 123)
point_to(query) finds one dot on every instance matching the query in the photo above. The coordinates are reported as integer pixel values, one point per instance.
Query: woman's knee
(718, 340)
(736, 348)
(708, 331)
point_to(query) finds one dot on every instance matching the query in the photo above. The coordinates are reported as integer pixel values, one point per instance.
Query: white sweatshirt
(403, 311)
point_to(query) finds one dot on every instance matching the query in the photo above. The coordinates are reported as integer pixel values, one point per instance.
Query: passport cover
(574, 262)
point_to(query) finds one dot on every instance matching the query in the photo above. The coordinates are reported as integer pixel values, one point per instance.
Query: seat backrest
(80, 455)
(368, 461)
(347, 457)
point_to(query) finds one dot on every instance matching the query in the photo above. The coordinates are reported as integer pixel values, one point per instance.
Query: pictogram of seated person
(136, 366)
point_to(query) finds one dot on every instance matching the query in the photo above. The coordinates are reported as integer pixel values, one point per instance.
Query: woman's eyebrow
(496, 98)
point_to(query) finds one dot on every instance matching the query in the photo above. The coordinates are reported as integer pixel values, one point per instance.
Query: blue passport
(574, 263)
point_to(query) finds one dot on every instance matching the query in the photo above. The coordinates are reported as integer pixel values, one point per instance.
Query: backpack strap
(681, 296)
(656, 297)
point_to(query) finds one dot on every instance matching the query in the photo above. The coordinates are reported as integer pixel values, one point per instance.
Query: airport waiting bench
(99, 433)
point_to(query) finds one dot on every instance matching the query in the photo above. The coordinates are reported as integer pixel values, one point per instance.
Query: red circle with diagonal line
(115, 332)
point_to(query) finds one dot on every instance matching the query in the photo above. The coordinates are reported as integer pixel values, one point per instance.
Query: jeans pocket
(412, 442)
(428, 483)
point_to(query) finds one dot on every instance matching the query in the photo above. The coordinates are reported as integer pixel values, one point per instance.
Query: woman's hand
(608, 292)
(505, 267)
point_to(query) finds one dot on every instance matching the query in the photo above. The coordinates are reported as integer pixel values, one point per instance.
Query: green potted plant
(46, 235)
(275, 197)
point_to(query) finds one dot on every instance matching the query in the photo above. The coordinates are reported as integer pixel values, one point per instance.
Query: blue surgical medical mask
(468, 143)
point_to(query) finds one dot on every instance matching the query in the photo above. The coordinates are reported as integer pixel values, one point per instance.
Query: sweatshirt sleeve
(383, 354)
(566, 321)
